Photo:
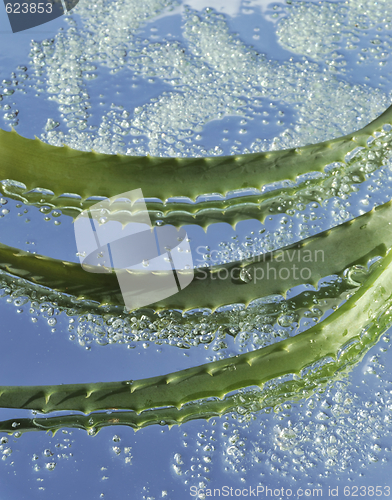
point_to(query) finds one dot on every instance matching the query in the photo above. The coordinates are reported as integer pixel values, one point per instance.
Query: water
(161, 78)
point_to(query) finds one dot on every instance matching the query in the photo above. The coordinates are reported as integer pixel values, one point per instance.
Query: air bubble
(245, 275)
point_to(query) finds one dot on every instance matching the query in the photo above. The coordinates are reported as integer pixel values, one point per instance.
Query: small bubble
(51, 124)
(245, 275)
(285, 320)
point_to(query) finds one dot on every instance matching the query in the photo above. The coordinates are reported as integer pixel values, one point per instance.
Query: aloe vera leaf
(270, 396)
(353, 242)
(340, 337)
(330, 252)
(63, 170)
(253, 400)
(339, 178)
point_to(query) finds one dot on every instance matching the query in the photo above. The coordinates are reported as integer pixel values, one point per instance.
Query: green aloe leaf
(66, 178)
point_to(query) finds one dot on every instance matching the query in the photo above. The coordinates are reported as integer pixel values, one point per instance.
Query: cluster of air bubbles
(336, 427)
(10, 89)
(44, 460)
(5, 449)
(17, 211)
(332, 32)
(197, 468)
(3, 208)
(121, 450)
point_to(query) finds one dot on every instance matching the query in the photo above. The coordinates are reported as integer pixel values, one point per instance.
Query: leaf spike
(89, 392)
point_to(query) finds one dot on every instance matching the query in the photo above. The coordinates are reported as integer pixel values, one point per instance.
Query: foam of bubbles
(323, 29)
